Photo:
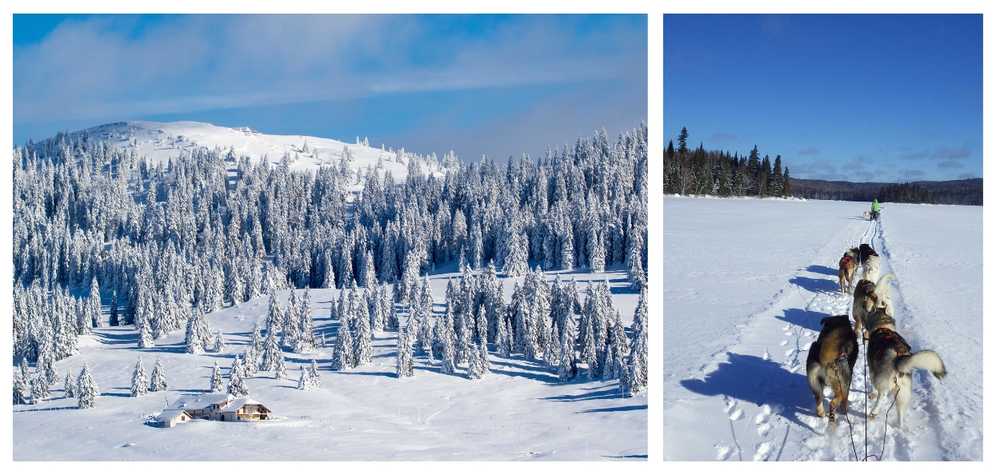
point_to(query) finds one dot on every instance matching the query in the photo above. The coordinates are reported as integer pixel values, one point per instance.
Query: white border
(655, 10)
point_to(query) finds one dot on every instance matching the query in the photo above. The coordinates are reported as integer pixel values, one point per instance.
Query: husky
(869, 297)
(870, 262)
(891, 363)
(831, 363)
(847, 266)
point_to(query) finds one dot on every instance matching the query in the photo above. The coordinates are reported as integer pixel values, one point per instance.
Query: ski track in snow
(760, 378)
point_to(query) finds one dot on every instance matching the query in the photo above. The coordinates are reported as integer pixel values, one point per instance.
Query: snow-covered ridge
(161, 141)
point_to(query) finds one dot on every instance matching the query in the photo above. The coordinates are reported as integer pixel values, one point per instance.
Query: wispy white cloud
(94, 69)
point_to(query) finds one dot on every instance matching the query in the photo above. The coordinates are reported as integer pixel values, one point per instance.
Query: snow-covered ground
(746, 284)
(519, 411)
(161, 141)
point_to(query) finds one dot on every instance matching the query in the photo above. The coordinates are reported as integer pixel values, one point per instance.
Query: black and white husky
(870, 263)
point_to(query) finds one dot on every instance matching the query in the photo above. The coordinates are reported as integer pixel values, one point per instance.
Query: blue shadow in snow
(804, 318)
(758, 381)
(815, 285)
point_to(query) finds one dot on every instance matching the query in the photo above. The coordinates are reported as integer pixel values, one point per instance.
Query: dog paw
(736, 415)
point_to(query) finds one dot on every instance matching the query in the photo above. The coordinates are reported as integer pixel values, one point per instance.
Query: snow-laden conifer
(139, 382)
(158, 380)
(87, 391)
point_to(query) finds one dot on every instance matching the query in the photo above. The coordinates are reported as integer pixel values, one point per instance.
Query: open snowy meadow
(746, 282)
(518, 411)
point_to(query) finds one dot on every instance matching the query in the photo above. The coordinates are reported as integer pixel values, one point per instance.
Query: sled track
(770, 409)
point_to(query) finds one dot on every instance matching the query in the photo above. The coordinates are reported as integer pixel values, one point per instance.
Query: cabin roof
(234, 404)
(200, 401)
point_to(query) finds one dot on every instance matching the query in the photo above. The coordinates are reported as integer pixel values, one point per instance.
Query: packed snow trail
(749, 399)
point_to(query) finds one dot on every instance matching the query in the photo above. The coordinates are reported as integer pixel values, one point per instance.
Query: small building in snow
(213, 407)
(172, 417)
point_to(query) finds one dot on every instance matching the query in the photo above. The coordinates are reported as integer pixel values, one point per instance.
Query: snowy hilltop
(159, 142)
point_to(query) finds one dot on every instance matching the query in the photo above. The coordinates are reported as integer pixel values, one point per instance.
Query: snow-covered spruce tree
(271, 357)
(158, 380)
(139, 383)
(636, 274)
(636, 378)
(86, 389)
(218, 342)
(363, 350)
(503, 341)
(251, 357)
(215, 380)
(22, 388)
(463, 338)
(69, 389)
(46, 362)
(343, 349)
(290, 325)
(314, 374)
(617, 352)
(595, 247)
(388, 308)
(588, 347)
(307, 334)
(553, 348)
(515, 257)
(192, 339)
(479, 360)
(376, 312)
(94, 303)
(237, 385)
(404, 353)
(445, 340)
(567, 361)
(145, 339)
(39, 387)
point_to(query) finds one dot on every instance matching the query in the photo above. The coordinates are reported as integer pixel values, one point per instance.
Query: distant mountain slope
(160, 141)
(966, 192)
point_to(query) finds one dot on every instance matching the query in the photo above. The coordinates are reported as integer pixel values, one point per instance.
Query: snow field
(519, 411)
(735, 348)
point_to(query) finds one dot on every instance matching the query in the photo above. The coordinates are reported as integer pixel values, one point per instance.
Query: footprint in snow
(722, 452)
(763, 452)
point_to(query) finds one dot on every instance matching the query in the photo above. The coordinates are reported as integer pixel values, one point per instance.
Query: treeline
(160, 243)
(961, 192)
(715, 172)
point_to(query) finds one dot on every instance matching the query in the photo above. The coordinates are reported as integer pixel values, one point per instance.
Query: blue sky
(846, 97)
(485, 84)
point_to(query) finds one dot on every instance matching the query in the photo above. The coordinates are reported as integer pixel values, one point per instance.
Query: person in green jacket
(875, 209)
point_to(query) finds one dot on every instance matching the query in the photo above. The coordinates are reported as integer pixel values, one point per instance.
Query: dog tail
(926, 360)
(882, 286)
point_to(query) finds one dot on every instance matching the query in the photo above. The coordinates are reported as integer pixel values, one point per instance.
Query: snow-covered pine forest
(463, 266)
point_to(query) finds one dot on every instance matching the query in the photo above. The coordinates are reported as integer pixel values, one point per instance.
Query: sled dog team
(890, 359)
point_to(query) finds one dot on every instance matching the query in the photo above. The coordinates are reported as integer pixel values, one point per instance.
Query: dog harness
(891, 338)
